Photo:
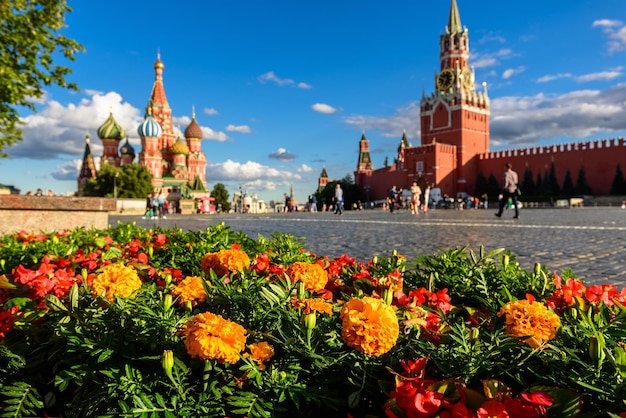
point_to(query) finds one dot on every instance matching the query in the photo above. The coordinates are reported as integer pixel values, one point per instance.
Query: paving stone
(589, 241)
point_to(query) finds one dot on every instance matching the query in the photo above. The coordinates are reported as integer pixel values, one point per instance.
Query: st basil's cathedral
(175, 164)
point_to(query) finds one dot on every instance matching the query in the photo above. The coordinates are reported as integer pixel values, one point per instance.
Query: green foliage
(568, 184)
(73, 353)
(220, 194)
(618, 187)
(351, 192)
(582, 187)
(29, 45)
(130, 181)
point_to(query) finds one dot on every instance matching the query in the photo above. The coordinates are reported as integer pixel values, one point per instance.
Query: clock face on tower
(445, 79)
(466, 76)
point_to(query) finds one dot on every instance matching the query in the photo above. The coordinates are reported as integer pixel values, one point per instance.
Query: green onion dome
(110, 129)
(179, 147)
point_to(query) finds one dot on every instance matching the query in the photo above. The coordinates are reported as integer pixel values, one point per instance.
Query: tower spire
(454, 19)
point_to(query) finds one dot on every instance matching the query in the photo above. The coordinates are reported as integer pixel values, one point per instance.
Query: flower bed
(135, 322)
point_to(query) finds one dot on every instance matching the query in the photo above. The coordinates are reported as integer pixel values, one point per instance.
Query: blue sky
(283, 89)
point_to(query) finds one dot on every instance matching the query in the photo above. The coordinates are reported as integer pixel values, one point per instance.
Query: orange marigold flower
(190, 290)
(209, 336)
(116, 280)
(530, 319)
(313, 276)
(261, 353)
(225, 261)
(313, 305)
(369, 325)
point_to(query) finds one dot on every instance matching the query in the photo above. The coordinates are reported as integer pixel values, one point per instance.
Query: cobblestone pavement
(590, 241)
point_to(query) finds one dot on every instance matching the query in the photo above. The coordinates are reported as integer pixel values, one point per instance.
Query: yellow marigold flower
(116, 280)
(261, 353)
(190, 290)
(225, 261)
(369, 325)
(530, 319)
(313, 276)
(209, 336)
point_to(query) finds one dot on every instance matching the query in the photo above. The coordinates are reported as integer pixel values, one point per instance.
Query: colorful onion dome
(179, 147)
(193, 131)
(149, 128)
(110, 129)
(127, 149)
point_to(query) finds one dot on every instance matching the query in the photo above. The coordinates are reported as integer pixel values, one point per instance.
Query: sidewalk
(590, 241)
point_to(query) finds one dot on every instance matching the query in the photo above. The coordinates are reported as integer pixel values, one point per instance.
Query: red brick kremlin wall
(599, 159)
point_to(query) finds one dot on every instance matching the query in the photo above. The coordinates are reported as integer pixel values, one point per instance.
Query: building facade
(454, 149)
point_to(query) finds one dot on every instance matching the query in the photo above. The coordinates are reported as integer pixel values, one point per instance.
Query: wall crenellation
(556, 148)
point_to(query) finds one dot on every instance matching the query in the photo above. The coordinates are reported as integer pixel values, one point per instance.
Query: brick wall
(47, 214)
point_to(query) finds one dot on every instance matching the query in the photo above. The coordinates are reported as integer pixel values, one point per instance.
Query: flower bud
(167, 302)
(596, 349)
(167, 361)
(310, 320)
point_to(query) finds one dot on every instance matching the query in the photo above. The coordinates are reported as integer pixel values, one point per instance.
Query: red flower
(159, 240)
(261, 263)
(492, 409)
(428, 401)
(601, 293)
(7, 319)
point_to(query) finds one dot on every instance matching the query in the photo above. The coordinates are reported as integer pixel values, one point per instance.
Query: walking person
(509, 190)
(393, 195)
(416, 193)
(426, 198)
(338, 199)
(148, 211)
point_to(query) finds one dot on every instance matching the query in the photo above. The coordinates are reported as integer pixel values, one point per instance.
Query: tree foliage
(131, 181)
(618, 187)
(29, 44)
(220, 194)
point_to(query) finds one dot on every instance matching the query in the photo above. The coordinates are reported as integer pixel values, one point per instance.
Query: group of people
(157, 206)
(418, 201)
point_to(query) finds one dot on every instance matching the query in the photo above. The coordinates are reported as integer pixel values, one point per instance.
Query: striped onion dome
(127, 149)
(110, 129)
(179, 147)
(193, 131)
(149, 128)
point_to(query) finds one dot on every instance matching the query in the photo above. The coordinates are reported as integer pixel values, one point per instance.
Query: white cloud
(68, 170)
(512, 71)
(615, 31)
(210, 111)
(601, 75)
(282, 154)
(242, 129)
(60, 130)
(552, 77)
(304, 169)
(271, 76)
(323, 108)
(232, 170)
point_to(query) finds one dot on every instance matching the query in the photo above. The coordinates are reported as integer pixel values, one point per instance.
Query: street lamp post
(115, 186)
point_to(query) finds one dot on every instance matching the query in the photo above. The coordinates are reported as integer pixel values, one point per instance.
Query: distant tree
(539, 185)
(220, 194)
(554, 181)
(568, 184)
(131, 181)
(582, 188)
(386, 163)
(481, 185)
(493, 188)
(618, 186)
(347, 179)
(528, 185)
(547, 184)
(351, 193)
(29, 46)
(134, 181)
